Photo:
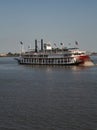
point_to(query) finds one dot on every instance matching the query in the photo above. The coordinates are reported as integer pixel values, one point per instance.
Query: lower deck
(48, 61)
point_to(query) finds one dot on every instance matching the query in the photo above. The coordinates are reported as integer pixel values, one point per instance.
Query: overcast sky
(55, 21)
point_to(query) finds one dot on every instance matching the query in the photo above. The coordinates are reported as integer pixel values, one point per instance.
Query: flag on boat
(76, 43)
(61, 43)
(21, 42)
(55, 44)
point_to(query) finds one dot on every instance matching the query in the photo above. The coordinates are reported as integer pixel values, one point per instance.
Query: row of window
(46, 61)
(36, 56)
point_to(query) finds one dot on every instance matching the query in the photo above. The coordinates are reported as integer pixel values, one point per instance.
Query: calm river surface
(47, 97)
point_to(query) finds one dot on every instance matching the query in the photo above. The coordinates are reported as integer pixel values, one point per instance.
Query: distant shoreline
(9, 54)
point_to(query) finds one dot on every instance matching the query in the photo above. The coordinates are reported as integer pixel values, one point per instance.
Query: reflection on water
(56, 67)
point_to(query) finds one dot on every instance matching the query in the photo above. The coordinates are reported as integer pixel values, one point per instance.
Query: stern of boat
(85, 60)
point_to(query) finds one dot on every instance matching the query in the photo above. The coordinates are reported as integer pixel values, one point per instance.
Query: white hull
(49, 61)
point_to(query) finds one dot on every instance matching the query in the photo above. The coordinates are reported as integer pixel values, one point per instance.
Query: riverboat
(53, 56)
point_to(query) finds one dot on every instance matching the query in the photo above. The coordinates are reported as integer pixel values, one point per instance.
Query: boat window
(77, 53)
(67, 54)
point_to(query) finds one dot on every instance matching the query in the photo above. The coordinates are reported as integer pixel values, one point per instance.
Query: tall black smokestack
(35, 45)
(41, 44)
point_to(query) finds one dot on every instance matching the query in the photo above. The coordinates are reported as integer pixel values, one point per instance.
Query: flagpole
(76, 43)
(21, 48)
(62, 44)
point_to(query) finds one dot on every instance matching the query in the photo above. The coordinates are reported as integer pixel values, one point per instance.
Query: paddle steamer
(53, 56)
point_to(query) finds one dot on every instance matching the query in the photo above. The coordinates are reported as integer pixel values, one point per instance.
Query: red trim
(84, 58)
